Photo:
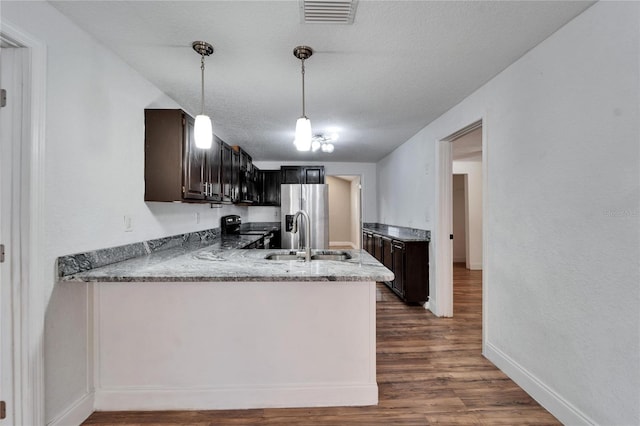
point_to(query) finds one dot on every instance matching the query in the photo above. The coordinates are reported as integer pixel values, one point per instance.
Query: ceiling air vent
(328, 11)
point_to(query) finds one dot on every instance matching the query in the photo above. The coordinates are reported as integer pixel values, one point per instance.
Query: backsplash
(74, 263)
(398, 230)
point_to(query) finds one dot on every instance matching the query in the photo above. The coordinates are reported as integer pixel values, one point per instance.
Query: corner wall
(563, 242)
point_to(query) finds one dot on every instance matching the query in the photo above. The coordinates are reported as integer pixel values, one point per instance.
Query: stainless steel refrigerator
(312, 198)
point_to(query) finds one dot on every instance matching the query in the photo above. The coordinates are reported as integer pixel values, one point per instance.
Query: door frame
(444, 223)
(29, 296)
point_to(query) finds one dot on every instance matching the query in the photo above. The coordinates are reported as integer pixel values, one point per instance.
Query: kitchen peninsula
(198, 326)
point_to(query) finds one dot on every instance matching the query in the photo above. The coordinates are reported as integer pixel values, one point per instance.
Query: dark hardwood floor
(430, 371)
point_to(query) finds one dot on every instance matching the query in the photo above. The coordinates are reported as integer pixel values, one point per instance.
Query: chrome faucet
(307, 233)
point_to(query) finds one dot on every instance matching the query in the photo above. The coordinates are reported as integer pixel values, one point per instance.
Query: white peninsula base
(234, 345)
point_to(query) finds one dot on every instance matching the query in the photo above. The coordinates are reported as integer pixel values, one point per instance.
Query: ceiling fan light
(327, 147)
(315, 145)
(203, 132)
(303, 134)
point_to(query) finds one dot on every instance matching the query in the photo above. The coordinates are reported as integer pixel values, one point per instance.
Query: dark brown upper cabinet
(246, 187)
(174, 169)
(235, 176)
(302, 174)
(270, 187)
(226, 169)
(212, 171)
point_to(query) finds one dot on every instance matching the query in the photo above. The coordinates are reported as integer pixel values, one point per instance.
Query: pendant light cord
(303, 109)
(202, 86)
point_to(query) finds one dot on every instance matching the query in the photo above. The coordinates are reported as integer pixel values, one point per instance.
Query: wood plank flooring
(430, 371)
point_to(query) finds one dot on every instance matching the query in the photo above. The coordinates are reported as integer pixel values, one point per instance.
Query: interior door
(10, 136)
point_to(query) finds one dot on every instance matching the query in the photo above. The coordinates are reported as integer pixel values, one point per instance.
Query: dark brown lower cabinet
(377, 247)
(398, 255)
(409, 262)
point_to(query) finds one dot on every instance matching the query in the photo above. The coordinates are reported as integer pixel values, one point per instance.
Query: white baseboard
(475, 266)
(77, 413)
(562, 409)
(342, 243)
(235, 398)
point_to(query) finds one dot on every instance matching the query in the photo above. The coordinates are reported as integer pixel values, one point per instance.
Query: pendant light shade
(203, 132)
(203, 128)
(303, 134)
(303, 125)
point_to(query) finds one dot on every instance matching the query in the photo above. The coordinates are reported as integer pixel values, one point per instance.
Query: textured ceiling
(377, 82)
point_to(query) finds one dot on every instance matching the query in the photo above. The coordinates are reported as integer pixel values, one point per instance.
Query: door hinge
(3, 98)
(1, 253)
(3, 410)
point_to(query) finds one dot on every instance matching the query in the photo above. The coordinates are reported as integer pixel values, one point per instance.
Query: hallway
(430, 371)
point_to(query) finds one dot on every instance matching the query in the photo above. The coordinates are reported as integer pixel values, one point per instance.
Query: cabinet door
(235, 176)
(291, 175)
(398, 267)
(164, 150)
(377, 247)
(255, 185)
(387, 253)
(367, 242)
(313, 174)
(193, 178)
(271, 187)
(226, 168)
(212, 170)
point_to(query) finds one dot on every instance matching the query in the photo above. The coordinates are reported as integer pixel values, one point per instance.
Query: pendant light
(203, 129)
(303, 125)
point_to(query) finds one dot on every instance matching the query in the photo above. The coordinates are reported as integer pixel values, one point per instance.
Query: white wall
(262, 214)
(459, 210)
(473, 206)
(366, 171)
(561, 266)
(95, 176)
(339, 211)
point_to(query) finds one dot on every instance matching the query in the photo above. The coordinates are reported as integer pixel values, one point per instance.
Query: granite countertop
(217, 263)
(398, 232)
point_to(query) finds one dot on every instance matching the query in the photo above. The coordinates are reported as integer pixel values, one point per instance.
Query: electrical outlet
(128, 223)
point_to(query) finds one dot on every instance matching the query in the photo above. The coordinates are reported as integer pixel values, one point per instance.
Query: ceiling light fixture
(323, 143)
(303, 125)
(203, 129)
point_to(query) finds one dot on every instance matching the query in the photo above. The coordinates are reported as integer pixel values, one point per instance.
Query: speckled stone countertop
(214, 263)
(400, 233)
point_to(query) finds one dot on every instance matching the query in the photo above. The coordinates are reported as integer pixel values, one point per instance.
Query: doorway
(10, 166)
(463, 152)
(467, 199)
(22, 168)
(345, 228)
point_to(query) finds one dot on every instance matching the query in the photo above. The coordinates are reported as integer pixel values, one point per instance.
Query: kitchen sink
(318, 255)
(331, 256)
(281, 256)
